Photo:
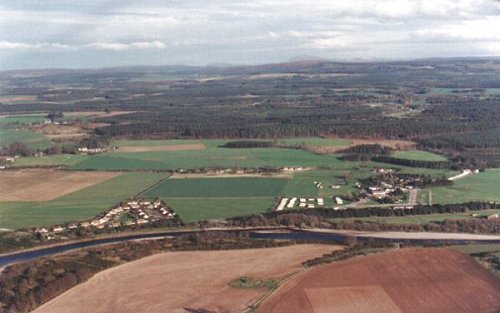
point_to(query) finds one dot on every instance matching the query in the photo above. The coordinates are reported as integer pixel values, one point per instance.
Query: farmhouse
(339, 200)
(58, 229)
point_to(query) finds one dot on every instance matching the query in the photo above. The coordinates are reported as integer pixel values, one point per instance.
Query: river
(271, 233)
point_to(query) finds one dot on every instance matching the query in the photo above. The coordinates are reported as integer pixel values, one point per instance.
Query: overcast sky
(92, 33)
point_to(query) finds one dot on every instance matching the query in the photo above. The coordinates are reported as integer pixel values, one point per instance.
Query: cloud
(245, 31)
(6, 45)
(111, 46)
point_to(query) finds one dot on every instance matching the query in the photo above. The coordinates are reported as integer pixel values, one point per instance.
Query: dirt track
(408, 235)
(179, 281)
(97, 113)
(45, 185)
(408, 280)
(181, 147)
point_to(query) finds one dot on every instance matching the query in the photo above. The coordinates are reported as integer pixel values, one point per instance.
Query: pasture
(78, 205)
(417, 219)
(30, 138)
(51, 160)
(179, 147)
(419, 155)
(212, 198)
(16, 120)
(483, 186)
(199, 209)
(213, 156)
(218, 187)
(302, 184)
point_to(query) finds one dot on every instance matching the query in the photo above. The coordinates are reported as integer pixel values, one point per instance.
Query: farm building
(339, 200)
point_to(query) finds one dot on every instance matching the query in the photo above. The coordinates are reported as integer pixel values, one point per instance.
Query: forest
(447, 105)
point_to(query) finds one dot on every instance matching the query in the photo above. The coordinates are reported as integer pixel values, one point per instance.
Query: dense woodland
(449, 105)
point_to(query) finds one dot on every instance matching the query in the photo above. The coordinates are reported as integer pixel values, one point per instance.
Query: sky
(109, 33)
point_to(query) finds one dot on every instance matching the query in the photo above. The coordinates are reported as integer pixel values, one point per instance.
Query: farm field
(51, 160)
(302, 184)
(21, 119)
(315, 142)
(477, 248)
(218, 187)
(154, 142)
(179, 147)
(44, 185)
(419, 155)
(184, 281)
(30, 138)
(212, 156)
(189, 154)
(78, 205)
(483, 186)
(211, 198)
(199, 209)
(11, 99)
(417, 219)
(394, 281)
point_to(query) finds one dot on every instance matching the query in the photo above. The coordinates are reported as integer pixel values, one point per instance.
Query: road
(412, 199)
(409, 235)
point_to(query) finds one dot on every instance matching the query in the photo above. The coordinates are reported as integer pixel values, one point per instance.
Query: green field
(197, 209)
(78, 205)
(213, 156)
(216, 156)
(477, 187)
(314, 142)
(417, 219)
(153, 143)
(477, 248)
(51, 160)
(204, 198)
(419, 155)
(30, 138)
(302, 184)
(218, 187)
(24, 119)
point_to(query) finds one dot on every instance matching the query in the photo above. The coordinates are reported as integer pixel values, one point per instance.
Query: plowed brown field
(45, 185)
(409, 280)
(183, 281)
(394, 144)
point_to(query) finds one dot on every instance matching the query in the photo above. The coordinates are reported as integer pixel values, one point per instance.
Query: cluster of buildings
(318, 184)
(8, 160)
(294, 169)
(303, 203)
(489, 217)
(390, 184)
(131, 213)
(92, 150)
